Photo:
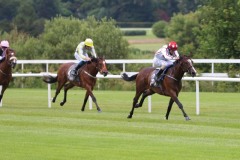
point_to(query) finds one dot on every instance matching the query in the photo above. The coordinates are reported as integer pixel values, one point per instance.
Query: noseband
(188, 69)
(98, 69)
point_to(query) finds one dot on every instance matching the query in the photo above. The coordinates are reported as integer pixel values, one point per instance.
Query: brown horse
(6, 66)
(170, 86)
(86, 78)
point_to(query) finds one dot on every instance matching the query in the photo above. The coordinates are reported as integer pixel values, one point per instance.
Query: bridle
(97, 67)
(183, 69)
(11, 61)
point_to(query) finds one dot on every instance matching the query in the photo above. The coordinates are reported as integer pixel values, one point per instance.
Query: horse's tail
(49, 79)
(127, 78)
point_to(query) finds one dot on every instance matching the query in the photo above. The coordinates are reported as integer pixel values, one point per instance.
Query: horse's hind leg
(144, 95)
(59, 87)
(169, 107)
(135, 100)
(66, 88)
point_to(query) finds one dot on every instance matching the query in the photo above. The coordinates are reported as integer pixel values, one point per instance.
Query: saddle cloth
(70, 74)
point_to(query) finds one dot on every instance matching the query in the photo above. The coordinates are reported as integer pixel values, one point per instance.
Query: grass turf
(31, 130)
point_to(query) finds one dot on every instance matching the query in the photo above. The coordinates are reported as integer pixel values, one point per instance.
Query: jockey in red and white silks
(164, 57)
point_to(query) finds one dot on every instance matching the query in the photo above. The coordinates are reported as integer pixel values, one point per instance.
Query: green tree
(22, 20)
(219, 36)
(62, 35)
(183, 29)
(47, 9)
(7, 13)
(159, 28)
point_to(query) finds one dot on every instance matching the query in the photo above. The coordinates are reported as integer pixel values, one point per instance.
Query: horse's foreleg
(144, 95)
(85, 101)
(89, 92)
(169, 108)
(181, 107)
(66, 88)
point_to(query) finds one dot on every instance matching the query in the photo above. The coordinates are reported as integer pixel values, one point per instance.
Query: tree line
(209, 30)
(29, 15)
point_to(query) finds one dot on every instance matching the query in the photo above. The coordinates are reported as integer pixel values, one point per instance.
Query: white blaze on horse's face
(191, 70)
(104, 70)
(13, 59)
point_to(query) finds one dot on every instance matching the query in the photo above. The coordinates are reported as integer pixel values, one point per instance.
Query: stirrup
(152, 84)
(74, 72)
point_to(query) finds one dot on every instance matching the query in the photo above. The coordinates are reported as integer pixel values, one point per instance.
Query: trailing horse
(86, 78)
(6, 66)
(170, 86)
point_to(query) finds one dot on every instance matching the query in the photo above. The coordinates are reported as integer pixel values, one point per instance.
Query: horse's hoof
(166, 118)
(129, 116)
(62, 103)
(187, 118)
(82, 110)
(99, 111)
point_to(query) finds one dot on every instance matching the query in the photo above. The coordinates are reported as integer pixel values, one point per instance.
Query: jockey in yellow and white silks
(81, 53)
(163, 58)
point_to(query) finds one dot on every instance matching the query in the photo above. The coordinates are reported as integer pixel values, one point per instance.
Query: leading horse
(170, 86)
(86, 78)
(6, 66)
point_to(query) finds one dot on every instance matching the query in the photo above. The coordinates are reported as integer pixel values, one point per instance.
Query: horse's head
(101, 65)
(187, 65)
(10, 57)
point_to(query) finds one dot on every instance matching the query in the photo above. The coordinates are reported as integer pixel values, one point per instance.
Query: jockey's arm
(93, 52)
(176, 55)
(171, 57)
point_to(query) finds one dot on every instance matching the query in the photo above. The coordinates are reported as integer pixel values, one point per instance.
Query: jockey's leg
(165, 64)
(156, 79)
(79, 65)
(158, 75)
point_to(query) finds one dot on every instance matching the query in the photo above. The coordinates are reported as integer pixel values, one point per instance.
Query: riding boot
(156, 79)
(158, 76)
(79, 65)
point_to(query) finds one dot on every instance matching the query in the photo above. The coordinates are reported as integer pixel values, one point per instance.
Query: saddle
(159, 79)
(70, 74)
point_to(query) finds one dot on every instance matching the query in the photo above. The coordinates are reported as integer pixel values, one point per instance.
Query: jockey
(163, 57)
(81, 53)
(3, 46)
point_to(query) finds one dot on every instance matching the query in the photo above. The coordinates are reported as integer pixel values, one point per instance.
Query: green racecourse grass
(31, 130)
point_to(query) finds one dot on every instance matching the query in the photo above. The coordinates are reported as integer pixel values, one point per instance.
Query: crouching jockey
(81, 53)
(162, 59)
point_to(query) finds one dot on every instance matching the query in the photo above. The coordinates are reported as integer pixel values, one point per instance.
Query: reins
(89, 74)
(174, 69)
(5, 73)
(170, 77)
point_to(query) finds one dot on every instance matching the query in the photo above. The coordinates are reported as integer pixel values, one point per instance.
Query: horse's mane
(95, 59)
(10, 49)
(180, 59)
